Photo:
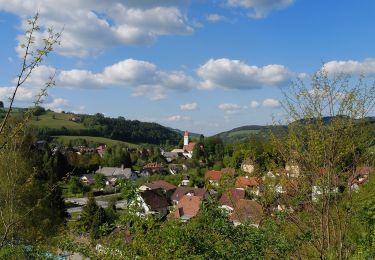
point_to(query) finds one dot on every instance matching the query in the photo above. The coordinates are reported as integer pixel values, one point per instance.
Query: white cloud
(230, 108)
(31, 87)
(57, 104)
(214, 18)
(235, 74)
(271, 103)
(141, 76)
(92, 25)
(260, 8)
(254, 104)
(176, 118)
(367, 67)
(189, 106)
(23, 94)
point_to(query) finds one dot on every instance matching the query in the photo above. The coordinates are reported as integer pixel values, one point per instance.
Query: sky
(205, 66)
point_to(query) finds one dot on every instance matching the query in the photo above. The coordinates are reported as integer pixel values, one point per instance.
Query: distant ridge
(243, 133)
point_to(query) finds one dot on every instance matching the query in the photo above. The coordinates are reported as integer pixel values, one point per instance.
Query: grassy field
(56, 121)
(100, 140)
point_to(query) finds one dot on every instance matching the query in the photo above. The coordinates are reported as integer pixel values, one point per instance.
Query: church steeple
(186, 138)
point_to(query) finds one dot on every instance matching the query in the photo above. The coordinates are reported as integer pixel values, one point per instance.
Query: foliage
(326, 151)
(99, 180)
(75, 185)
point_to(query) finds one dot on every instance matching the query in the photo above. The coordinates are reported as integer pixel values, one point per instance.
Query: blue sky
(201, 65)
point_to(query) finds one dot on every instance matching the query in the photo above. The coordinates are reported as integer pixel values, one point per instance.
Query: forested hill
(243, 133)
(49, 123)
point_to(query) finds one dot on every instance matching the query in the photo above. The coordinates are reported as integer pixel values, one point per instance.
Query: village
(238, 192)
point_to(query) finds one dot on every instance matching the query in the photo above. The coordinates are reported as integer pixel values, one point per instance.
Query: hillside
(243, 133)
(49, 124)
(66, 140)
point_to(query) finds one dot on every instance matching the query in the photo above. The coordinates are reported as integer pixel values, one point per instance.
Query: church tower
(186, 138)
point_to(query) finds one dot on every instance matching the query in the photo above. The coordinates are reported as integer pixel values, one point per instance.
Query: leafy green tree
(98, 219)
(88, 213)
(326, 131)
(99, 180)
(75, 186)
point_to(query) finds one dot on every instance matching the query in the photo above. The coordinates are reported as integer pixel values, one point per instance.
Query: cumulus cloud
(271, 103)
(189, 106)
(141, 76)
(260, 8)
(235, 74)
(213, 18)
(366, 67)
(230, 108)
(254, 104)
(57, 104)
(177, 118)
(92, 25)
(31, 87)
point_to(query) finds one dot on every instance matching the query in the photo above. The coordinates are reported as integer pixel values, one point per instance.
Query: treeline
(119, 128)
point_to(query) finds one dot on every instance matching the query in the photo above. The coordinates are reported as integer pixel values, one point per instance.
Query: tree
(327, 139)
(88, 213)
(1, 104)
(29, 199)
(99, 180)
(75, 185)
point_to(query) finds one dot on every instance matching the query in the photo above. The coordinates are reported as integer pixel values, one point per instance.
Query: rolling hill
(49, 125)
(243, 133)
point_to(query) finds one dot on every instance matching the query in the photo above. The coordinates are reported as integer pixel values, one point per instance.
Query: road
(100, 200)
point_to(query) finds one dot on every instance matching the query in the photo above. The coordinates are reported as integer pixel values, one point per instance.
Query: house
(182, 191)
(250, 183)
(187, 207)
(188, 146)
(87, 179)
(229, 198)
(166, 188)
(151, 202)
(185, 181)
(247, 166)
(170, 156)
(75, 119)
(247, 211)
(112, 174)
(213, 177)
(101, 150)
(151, 169)
(178, 151)
(359, 177)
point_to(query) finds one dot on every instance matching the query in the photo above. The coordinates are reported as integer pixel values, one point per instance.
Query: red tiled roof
(364, 170)
(213, 175)
(245, 181)
(231, 197)
(360, 176)
(160, 185)
(181, 191)
(153, 165)
(247, 210)
(188, 206)
(189, 147)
